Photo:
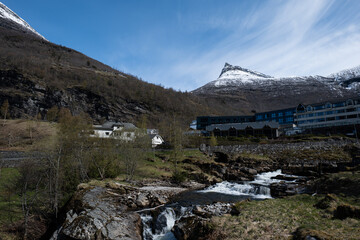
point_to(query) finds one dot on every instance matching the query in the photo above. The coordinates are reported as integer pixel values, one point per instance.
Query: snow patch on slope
(6, 13)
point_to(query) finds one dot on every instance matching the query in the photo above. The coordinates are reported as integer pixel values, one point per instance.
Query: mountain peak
(11, 20)
(230, 72)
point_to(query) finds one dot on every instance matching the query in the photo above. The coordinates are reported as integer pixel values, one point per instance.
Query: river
(183, 204)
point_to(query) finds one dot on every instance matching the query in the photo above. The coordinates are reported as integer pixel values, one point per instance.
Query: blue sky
(184, 44)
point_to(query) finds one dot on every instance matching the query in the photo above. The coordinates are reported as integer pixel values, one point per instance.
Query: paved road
(14, 158)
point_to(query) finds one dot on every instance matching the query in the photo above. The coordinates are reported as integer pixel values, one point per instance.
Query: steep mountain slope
(244, 89)
(36, 74)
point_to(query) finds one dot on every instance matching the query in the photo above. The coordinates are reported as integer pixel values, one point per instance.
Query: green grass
(10, 205)
(279, 218)
(160, 164)
(254, 156)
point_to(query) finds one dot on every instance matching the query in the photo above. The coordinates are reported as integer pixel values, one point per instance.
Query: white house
(117, 130)
(156, 140)
(124, 131)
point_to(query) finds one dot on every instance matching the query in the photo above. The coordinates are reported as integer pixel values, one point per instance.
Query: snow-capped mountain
(11, 20)
(348, 78)
(233, 74)
(237, 87)
(346, 74)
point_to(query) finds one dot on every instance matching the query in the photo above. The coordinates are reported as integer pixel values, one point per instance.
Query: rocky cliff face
(28, 98)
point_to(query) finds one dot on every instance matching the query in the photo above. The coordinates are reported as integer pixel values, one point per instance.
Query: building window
(288, 113)
(341, 104)
(289, 119)
(319, 114)
(340, 111)
(349, 102)
(351, 110)
(329, 112)
(280, 114)
(319, 107)
(352, 116)
(309, 108)
(273, 115)
(259, 117)
(281, 120)
(232, 132)
(328, 105)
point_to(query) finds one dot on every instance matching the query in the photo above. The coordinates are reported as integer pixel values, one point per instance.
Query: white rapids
(257, 189)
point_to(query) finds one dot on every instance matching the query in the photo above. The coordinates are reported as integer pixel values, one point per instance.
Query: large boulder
(97, 215)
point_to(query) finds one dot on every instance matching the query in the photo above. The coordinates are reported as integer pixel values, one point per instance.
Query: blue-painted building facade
(203, 121)
(282, 116)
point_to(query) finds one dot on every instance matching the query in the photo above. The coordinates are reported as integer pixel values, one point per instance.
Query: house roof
(242, 126)
(336, 100)
(154, 135)
(109, 125)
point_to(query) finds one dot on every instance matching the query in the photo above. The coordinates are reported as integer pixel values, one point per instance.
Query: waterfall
(160, 229)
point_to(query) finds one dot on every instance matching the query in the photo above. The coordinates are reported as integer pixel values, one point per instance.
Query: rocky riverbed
(157, 209)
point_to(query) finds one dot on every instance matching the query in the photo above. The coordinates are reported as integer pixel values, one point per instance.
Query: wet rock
(99, 216)
(142, 200)
(217, 209)
(193, 227)
(248, 171)
(201, 212)
(283, 189)
(310, 234)
(221, 157)
(286, 178)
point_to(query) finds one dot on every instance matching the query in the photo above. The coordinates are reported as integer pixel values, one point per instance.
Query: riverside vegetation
(34, 192)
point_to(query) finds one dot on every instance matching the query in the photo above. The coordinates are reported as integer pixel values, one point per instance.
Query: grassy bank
(280, 218)
(25, 135)
(334, 216)
(10, 203)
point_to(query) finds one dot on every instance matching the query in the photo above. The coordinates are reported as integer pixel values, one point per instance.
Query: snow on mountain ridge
(346, 74)
(7, 13)
(237, 76)
(236, 69)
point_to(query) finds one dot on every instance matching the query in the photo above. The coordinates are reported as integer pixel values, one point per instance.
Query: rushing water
(160, 228)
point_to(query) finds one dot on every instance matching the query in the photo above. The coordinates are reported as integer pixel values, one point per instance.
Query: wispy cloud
(185, 45)
(282, 38)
